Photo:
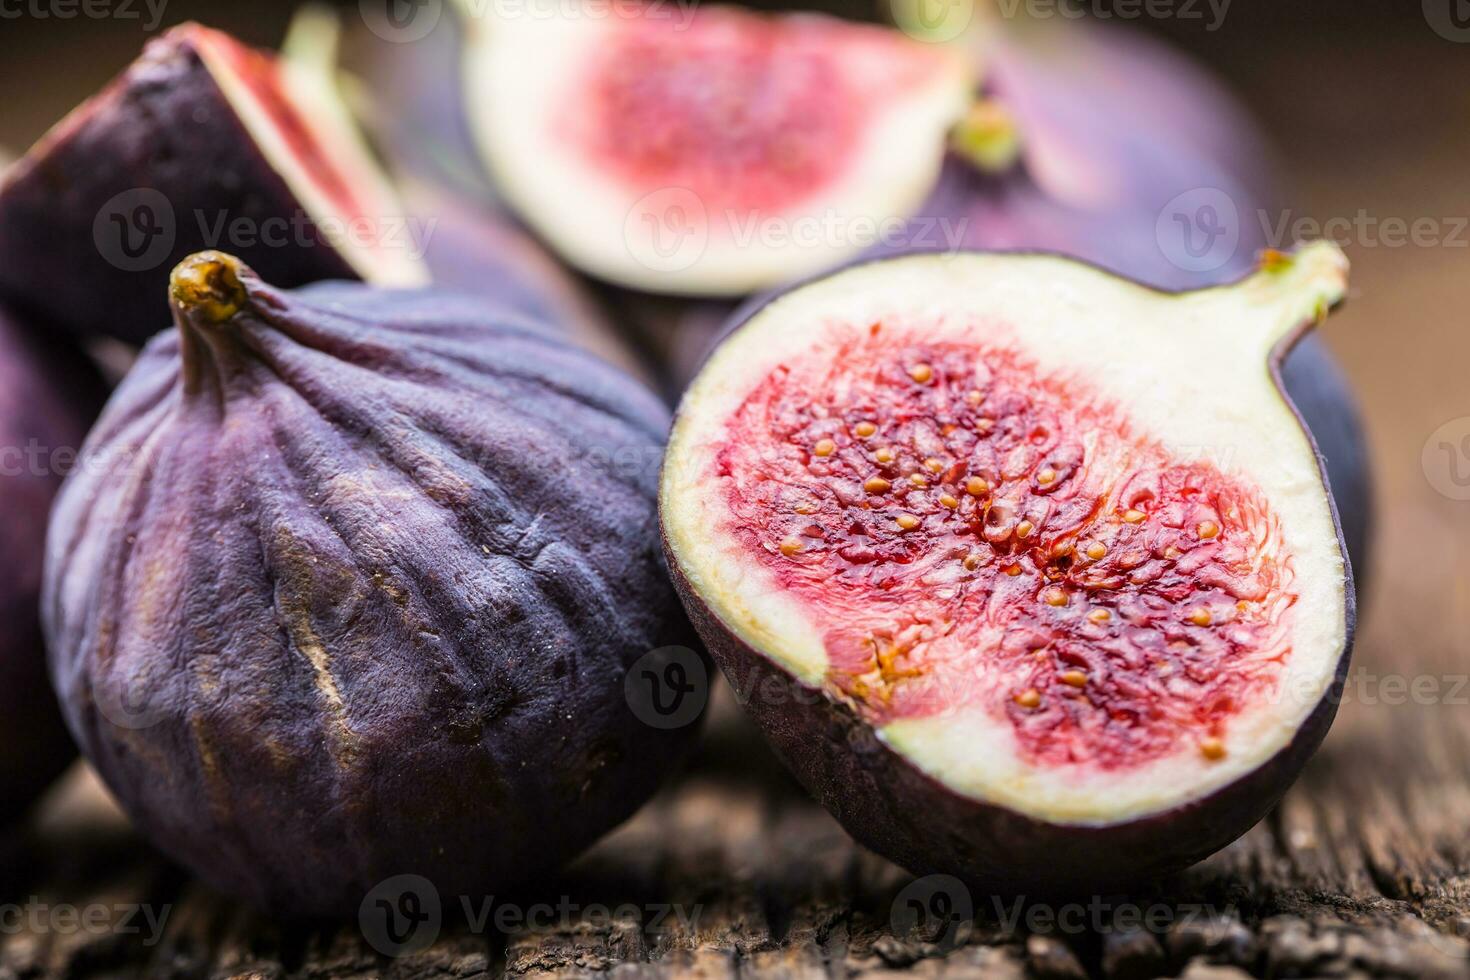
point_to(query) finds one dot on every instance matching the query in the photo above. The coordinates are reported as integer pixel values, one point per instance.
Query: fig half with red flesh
(1043, 561)
(713, 152)
(200, 143)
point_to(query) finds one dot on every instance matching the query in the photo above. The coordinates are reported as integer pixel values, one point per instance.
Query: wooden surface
(1364, 869)
(734, 873)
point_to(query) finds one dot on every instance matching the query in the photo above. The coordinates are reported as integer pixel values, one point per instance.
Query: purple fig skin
(48, 397)
(892, 807)
(356, 593)
(1110, 115)
(417, 114)
(477, 249)
(162, 127)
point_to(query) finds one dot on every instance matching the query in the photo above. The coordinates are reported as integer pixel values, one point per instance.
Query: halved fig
(1043, 561)
(711, 152)
(470, 243)
(200, 143)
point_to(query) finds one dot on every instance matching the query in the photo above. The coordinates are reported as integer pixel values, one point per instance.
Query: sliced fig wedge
(712, 152)
(1044, 561)
(202, 142)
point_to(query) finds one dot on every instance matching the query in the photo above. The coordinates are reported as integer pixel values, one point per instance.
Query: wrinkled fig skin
(48, 397)
(163, 126)
(892, 807)
(366, 590)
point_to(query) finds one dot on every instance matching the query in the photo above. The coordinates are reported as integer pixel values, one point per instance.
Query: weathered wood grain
(1363, 870)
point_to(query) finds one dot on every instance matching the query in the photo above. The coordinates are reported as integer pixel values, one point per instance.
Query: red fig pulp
(715, 153)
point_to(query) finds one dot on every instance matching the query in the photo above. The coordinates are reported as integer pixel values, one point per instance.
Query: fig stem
(1298, 287)
(987, 137)
(205, 288)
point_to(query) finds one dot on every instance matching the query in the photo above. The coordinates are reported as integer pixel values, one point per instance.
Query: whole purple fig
(352, 589)
(48, 396)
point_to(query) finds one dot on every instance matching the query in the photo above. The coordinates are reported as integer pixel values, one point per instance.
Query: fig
(48, 397)
(1032, 572)
(199, 143)
(1109, 127)
(353, 588)
(469, 244)
(710, 152)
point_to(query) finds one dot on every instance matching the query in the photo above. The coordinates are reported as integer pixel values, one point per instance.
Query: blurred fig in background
(48, 397)
(409, 99)
(200, 143)
(1097, 142)
(707, 151)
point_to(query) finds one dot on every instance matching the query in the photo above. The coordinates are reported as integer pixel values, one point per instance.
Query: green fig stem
(1289, 294)
(987, 137)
